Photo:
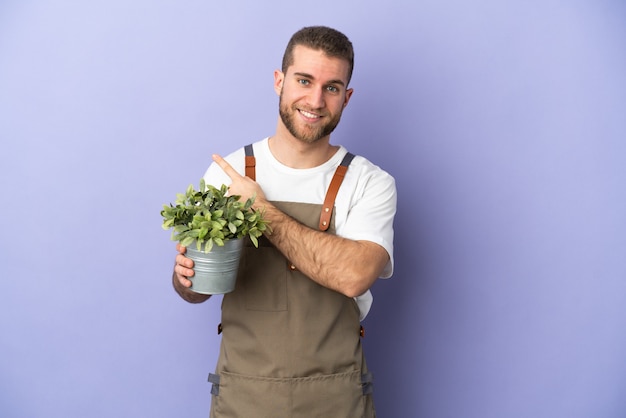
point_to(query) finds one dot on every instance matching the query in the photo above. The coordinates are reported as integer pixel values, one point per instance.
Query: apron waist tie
(215, 381)
(367, 382)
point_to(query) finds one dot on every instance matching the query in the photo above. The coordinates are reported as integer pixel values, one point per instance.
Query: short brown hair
(332, 42)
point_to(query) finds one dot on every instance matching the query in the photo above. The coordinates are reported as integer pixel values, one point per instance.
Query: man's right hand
(183, 270)
(184, 267)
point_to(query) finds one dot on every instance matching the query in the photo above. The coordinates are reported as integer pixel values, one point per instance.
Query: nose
(316, 98)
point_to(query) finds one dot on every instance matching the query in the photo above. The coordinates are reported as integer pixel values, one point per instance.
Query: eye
(332, 89)
(303, 81)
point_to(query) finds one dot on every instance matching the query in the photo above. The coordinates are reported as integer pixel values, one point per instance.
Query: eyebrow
(305, 75)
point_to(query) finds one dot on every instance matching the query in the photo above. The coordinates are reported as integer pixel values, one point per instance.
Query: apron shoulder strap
(250, 162)
(333, 189)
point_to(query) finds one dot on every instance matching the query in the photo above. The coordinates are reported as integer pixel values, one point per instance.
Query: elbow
(363, 269)
(354, 292)
(358, 283)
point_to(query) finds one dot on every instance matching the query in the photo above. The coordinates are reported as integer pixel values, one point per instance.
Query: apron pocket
(247, 396)
(336, 395)
(265, 289)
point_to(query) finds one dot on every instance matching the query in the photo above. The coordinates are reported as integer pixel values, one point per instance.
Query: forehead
(319, 65)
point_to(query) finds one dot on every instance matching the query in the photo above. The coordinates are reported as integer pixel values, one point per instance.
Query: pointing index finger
(228, 169)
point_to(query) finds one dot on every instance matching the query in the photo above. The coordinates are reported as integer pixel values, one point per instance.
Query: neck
(295, 153)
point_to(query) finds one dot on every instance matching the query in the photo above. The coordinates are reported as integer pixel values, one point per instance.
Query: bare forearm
(346, 266)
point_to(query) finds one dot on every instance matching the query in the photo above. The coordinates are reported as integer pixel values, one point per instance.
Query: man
(291, 328)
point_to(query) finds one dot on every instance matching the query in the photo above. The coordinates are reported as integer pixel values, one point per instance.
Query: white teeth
(308, 115)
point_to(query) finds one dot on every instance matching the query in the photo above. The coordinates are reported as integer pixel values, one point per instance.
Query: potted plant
(213, 227)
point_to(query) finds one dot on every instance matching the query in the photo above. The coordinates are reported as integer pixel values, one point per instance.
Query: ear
(347, 98)
(279, 78)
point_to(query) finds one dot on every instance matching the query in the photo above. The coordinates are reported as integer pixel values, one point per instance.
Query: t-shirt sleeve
(371, 215)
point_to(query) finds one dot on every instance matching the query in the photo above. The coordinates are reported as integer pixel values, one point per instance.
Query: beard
(307, 133)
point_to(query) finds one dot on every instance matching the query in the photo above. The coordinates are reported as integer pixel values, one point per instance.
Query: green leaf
(187, 242)
(181, 228)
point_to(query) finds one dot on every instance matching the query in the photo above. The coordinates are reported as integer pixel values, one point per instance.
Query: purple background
(504, 123)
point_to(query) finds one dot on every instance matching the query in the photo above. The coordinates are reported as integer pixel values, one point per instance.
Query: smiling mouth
(309, 115)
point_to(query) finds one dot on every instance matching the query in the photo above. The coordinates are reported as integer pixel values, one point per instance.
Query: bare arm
(183, 269)
(346, 266)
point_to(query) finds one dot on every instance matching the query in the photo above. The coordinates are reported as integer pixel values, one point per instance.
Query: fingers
(228, 169)
(184, 262)
(183, 267)
(183, 281)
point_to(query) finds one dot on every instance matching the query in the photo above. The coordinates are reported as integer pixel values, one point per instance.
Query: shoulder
(365, 172)
(367, 166)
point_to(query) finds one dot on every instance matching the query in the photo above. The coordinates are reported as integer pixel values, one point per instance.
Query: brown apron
(291, 348)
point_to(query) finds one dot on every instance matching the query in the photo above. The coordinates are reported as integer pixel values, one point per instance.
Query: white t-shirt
(365, 205)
